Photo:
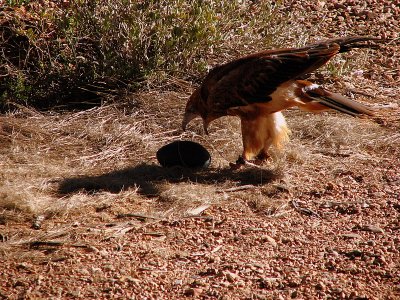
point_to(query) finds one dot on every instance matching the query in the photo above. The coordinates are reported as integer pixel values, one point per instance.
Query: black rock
(184, 153)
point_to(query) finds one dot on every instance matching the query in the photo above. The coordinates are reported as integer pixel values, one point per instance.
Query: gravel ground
(332, 234)
(344, 248)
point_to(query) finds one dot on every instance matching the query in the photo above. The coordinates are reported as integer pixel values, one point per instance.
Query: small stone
(271, 240)
(84, 272)
(103, 253)
(178, 282)
(97, 271)
(370, 15)
(231, 277)
(24, 266)
(365, 205)
(37, 222)
(354, 253)
(351, 236)
(380, 261)
(334, 253)
(372, 228)
(240, 283)
(193, 292)
(108, 268)
(320, 286)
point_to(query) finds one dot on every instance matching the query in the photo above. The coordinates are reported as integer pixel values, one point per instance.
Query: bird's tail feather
(337, 102)
(351, 42)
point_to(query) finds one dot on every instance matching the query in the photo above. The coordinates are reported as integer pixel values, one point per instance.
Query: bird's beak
(187, 118)
(205, 126)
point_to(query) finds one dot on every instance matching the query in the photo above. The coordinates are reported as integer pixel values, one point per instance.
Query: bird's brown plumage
(258, 86)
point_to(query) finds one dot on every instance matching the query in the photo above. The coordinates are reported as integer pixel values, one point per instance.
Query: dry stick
(137, 216)
(304, 211)
(37, 244)
(122, 231)
(238, 188)
(253, 165)
(355, 91)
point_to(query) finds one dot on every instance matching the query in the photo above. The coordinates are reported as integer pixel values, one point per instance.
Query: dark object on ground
(184, 153)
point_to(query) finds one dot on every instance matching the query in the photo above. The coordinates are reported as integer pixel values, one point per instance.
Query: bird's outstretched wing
(253, 78)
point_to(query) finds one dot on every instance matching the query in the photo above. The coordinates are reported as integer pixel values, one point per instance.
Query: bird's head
(195, 107)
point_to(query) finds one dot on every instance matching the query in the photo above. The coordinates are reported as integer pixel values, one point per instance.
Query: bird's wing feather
(253, 78)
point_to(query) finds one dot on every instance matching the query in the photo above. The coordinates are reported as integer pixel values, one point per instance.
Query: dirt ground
(87, 212)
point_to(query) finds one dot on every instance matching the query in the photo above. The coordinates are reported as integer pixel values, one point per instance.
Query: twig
(37, 244)
(198, 210)
(355, 91)
(138, 216)
(156, 234)
(238, 188)
(247, 163)
(304, 211)
(216, 249)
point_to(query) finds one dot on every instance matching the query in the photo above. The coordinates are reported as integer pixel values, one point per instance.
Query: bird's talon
(257, 161)
(240, 162)
(235, 166)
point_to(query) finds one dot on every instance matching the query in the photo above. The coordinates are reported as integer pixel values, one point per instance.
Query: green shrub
(53, 50)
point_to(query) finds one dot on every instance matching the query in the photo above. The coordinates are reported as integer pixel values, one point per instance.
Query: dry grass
(94, 178)
(66, 163)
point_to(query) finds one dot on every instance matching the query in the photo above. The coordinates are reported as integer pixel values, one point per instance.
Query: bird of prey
(257, 87)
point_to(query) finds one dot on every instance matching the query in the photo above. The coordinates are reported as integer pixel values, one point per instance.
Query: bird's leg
(263, 155)
(254, 156)
(258, 160)
(256, 139)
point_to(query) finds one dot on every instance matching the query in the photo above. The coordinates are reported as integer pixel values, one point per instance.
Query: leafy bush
(51, 50)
